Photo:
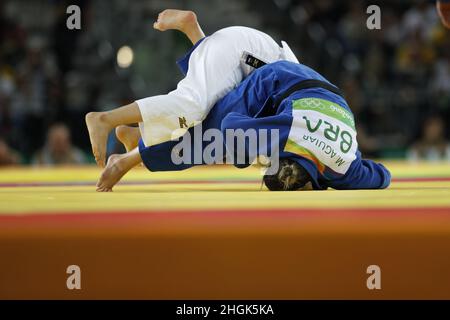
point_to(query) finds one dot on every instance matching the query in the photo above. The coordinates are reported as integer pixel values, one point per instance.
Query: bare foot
(172, 19)
(98, 133)
(129, 136)
(113, 172)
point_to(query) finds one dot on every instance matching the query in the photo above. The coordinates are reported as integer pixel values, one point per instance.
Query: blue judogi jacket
(316, 129)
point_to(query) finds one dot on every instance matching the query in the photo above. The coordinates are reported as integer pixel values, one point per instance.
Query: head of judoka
(289, 177)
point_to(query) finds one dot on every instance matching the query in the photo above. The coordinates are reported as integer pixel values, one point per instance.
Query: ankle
(123, 163)
(191, 17)
(117, 165)
(189, 22)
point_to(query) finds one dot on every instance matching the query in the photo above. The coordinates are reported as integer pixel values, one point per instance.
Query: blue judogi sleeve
(364, 174)
(271, 135)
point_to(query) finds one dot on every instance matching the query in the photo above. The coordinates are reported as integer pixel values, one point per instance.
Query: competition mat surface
(212, 233)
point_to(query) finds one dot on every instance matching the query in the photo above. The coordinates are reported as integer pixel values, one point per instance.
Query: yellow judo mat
(214, 233)
(49, 190)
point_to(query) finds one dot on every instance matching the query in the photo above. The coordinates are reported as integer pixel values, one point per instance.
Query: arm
(364, 174)
(247, 138)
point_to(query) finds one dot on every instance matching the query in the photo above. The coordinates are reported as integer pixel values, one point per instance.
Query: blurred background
(396, 80)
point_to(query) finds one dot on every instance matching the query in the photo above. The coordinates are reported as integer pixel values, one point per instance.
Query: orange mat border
(118, 218)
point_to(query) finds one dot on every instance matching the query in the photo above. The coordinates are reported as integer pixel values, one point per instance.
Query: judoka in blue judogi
(311, 133)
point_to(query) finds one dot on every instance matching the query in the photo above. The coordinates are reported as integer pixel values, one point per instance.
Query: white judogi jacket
(215, 68)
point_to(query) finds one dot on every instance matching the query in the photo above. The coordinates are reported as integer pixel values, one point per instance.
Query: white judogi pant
(215, 68)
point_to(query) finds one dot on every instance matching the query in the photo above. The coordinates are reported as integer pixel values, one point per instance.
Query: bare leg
(184, 21)
(99, 125)
(129, 136)
(118, 165)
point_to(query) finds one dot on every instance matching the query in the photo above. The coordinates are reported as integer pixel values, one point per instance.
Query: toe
(103, 189)
(100, 183)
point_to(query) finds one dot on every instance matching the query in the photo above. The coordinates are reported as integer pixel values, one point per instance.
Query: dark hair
(289, 177)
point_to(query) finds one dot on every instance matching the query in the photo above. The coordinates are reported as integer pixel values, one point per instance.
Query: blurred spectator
(414, 56)
(420, 18)
(432, 145)
(58, 149)
(35, 100)
(8, 156)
